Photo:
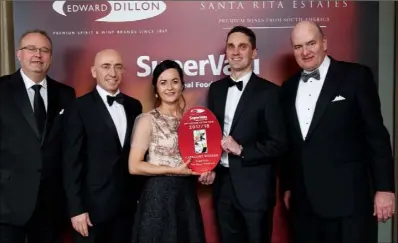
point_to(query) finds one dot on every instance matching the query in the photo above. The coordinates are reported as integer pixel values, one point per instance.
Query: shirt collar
(323, 68)
(29, 82)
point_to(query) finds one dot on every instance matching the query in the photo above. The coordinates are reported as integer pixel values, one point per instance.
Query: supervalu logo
(197, 110)
(116, 11)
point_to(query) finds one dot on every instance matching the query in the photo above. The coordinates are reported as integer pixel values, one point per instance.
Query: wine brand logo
(116, 11)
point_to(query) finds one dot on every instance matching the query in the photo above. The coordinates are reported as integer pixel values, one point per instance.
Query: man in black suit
(101, 194)
(339, 171)
(249, 112)
(31, 106)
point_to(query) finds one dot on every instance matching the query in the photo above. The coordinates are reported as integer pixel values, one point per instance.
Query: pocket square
(338, 98)
(61, 112)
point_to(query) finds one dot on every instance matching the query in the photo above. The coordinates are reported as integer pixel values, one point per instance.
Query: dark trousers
(45, 226)
(308, 227)
(116, 230)
(237, 224)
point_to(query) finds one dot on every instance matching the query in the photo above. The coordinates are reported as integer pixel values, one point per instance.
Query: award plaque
(199, 138)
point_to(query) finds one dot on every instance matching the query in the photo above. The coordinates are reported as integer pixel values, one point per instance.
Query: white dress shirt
(233, 97)
(307, 96)
(117, 113)
(31, 93)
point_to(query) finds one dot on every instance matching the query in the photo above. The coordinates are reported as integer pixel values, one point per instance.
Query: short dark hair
(36, 31)
(246, 31)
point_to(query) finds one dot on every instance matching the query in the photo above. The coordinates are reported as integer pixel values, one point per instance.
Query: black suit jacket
(259, 127)
(95, 164)
(347, 144)
(27, 162)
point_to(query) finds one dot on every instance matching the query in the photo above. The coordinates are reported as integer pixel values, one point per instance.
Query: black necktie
(119, 98)
(314, 74)
(39, 109)
(238, 84)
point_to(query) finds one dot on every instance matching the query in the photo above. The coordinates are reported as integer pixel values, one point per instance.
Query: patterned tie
(314, 74)
(39, 109)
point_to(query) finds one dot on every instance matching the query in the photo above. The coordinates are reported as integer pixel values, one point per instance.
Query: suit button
(38, 170)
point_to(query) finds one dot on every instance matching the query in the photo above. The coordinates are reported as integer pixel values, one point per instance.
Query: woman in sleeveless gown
(168, 210)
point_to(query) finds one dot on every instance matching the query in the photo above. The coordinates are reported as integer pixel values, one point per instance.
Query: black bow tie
(314, 74)
(118, 98)
(238, 84)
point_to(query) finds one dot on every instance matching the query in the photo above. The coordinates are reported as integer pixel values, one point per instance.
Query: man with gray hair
(337, 139)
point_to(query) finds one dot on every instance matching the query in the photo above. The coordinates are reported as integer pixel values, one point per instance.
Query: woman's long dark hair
(160, 68)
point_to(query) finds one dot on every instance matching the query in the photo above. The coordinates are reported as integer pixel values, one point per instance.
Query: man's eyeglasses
(33, 49)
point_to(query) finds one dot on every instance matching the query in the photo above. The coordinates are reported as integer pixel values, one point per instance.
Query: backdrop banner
(194, 34)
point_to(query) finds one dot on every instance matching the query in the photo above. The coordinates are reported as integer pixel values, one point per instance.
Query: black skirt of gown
(169, 212)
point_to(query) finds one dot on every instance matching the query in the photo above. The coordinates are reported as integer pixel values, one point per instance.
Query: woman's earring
(156, 95)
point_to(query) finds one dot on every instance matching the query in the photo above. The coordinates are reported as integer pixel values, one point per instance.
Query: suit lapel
(129, 119)
(105, 115)
(220, 101)
(53, 104)
(247, 94)
(22, 100)
(329, 88)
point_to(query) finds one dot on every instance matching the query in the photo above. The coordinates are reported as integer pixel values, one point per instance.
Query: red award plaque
(199, 138)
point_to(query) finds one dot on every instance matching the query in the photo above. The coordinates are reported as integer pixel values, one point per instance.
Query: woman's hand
(183, 168)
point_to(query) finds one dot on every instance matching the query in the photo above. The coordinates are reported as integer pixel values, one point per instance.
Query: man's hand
(286, 199)
(384, 205)
(207, 178)
(231, 146)
(81, 222)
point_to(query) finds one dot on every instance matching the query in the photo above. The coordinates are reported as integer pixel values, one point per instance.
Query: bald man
(101, 194)
(338, 177)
